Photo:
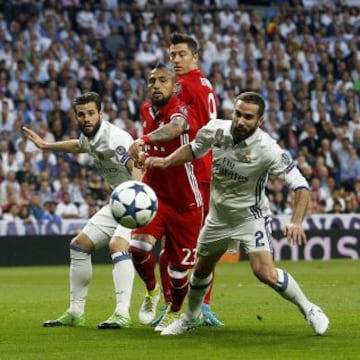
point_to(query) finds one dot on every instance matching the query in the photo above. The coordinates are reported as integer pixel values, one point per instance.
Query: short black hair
(253, 98)
(180, 38)
(162, 66)
(88, 97)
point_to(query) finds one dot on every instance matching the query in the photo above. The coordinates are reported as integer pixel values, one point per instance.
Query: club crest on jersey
(120, 150)
(178, 89)
(246, 158)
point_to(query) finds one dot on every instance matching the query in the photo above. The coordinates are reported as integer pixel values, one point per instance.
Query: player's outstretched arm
(294, 231)
(169, 131)
(70, 146)
(180, 156)
(136, 149)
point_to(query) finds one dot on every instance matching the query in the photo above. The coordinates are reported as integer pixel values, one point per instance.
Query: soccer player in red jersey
(168, 123)
(196, 91)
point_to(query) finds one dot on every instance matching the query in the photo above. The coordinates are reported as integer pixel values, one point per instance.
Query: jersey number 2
(259, 235)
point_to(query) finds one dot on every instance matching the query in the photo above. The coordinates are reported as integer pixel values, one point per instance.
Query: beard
(159, 102)
(240, 134)
(90, 131)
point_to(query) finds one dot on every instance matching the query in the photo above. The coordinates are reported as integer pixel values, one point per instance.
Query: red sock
(144, 263)
(179, 289)
(164, 276)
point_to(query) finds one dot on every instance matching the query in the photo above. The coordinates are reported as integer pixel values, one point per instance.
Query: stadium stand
(302, 56)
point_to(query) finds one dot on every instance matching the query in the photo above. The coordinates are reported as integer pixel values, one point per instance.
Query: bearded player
(194, 89)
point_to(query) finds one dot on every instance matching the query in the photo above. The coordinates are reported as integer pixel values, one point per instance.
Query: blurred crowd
(302, 56)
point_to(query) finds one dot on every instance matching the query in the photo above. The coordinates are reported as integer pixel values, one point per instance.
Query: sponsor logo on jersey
(226, 168)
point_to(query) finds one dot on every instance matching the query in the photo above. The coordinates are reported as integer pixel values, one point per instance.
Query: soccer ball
(133, 204)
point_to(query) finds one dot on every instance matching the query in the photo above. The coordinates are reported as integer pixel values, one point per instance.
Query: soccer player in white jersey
(243, 157)
(108, 146)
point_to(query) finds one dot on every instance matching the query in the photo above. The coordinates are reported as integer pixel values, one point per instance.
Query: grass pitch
(259, 323)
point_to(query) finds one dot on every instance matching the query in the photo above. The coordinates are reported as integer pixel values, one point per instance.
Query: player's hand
(295, 234)
(34, 137)
(154, 161)
(135, 150)
(142, 156)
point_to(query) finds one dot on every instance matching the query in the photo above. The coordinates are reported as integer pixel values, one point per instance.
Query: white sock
(290, 290)
(197, 291)
(80, 277)
(123, 277)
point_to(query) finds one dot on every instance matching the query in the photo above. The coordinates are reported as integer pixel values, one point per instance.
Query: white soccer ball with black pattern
(133, 204)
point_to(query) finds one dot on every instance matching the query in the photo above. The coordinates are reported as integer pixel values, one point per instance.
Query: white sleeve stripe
(177, 115)
(189, 168)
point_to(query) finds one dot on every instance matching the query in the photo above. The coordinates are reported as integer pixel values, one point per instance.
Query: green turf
(29, 295)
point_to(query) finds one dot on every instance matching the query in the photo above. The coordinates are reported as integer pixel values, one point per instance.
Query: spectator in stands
(25, 214)
(12, 213)
(50, 212)
(85, 19)
(35, 208)
(349, 167)
(45, 190)
(311, 141)
(9, 189)
(46, 160)
(66, 209)
(87, 207)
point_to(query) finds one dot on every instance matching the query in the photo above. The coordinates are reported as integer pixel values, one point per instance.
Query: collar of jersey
(174, 101)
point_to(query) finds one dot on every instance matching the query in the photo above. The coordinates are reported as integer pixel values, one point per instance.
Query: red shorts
(181, 231)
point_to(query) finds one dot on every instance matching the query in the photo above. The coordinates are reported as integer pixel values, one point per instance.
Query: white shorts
(253, 235)
(102, 227)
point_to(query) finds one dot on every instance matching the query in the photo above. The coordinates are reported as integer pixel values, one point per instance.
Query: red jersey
(196, 91)
(177, 186)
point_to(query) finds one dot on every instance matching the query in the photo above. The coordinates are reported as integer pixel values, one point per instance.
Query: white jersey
(240, 172)
(109, 149)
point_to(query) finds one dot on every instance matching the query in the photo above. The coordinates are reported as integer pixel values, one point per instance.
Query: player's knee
(140, 250)
(118, 244)
(77, 253)
(203, 268)
(83, 243)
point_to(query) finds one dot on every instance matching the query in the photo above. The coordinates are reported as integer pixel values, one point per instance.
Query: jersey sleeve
(83, 143)
(284, 167)
(203, 141)
(182, 112)
(121, 141)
